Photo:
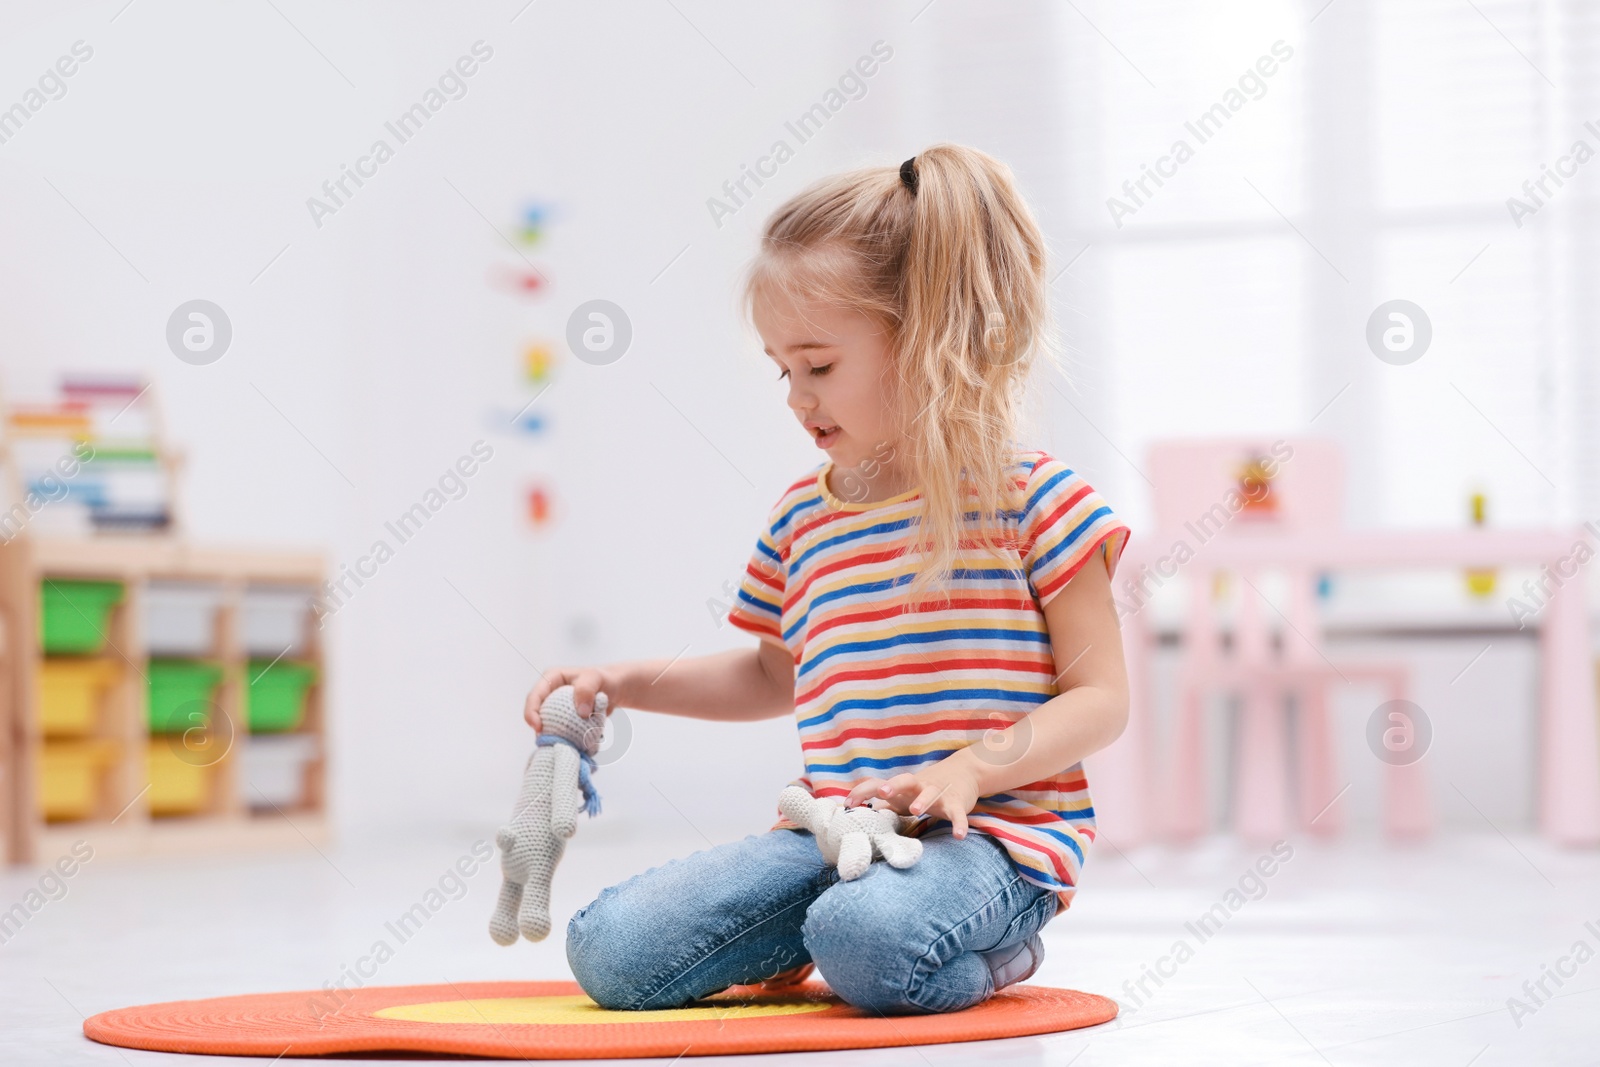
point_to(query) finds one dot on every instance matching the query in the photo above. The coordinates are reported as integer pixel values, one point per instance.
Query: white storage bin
(274, 769)
(276, 618)
(180, 618)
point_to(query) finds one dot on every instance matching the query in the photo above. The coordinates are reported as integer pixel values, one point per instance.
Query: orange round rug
(555, 1020)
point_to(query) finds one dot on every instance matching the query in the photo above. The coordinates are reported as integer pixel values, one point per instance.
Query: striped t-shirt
(879, 692)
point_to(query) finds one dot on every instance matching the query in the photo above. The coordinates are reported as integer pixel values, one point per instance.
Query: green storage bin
(175, 686)
(275, 696)
(75, 616)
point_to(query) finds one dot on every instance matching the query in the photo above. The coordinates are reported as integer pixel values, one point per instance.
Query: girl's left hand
(943, 791)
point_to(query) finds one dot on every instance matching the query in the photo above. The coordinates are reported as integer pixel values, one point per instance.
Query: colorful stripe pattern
(880, 692)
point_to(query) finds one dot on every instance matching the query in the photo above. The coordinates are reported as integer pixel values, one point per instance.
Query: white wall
(191, 141)
(374, 350)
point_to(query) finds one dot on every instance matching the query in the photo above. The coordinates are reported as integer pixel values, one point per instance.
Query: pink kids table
(1568, 775)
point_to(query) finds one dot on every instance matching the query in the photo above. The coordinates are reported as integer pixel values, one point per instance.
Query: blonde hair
(955, 272)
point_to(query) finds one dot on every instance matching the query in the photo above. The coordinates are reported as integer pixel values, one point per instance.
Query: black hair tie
(908, 174)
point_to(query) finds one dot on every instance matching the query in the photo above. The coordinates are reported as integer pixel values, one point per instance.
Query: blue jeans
(892, 941)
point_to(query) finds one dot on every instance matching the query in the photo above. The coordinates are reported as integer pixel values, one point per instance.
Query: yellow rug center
(579, 1009)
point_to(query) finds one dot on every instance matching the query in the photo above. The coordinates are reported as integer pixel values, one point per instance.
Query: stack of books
(89, 462)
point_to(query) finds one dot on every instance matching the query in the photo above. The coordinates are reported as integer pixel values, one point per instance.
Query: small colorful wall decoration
(537, 359)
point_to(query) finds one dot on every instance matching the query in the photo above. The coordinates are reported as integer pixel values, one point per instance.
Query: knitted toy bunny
(848, 837)
(546, 814)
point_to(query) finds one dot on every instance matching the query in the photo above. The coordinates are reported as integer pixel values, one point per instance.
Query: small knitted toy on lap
(556, 784)
(849, 837)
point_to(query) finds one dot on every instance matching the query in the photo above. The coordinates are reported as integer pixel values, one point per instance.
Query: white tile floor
(1356, 953)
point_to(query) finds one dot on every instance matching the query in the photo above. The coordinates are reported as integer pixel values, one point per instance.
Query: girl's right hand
(585, 682)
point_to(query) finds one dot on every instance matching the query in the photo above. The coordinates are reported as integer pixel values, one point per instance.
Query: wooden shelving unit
(136, 539)
(121, 821)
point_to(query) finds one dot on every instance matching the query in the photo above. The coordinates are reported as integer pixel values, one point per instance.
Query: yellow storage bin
(177, 787)
(70, 691)
(71, 775)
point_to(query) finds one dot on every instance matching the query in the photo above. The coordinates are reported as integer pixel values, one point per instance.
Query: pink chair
(1200, 495)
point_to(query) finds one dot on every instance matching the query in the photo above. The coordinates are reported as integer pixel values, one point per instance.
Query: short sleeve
(1063, 524)
(758, 604)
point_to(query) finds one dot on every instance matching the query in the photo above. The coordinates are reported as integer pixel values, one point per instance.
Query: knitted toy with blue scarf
(556, 785)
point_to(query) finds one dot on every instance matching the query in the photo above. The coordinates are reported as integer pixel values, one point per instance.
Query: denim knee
(657, 940)
(606, 962)
(864, 956)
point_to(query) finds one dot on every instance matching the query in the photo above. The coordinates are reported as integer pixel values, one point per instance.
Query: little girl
(933, 604)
